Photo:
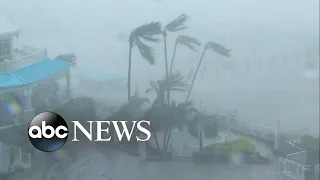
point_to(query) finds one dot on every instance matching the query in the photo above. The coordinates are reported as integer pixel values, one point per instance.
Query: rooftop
(8, 27)
(33, 73)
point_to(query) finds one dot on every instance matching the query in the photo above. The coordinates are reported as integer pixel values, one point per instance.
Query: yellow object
(243, 145)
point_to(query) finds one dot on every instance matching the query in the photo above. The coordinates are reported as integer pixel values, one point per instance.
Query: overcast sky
(255, 30)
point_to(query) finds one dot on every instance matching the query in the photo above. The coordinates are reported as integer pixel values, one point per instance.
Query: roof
(8, 27)
(33, 73)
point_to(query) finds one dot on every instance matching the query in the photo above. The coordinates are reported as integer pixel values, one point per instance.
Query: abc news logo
(48, 131)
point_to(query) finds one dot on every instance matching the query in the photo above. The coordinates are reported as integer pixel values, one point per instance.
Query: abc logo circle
(48, 132)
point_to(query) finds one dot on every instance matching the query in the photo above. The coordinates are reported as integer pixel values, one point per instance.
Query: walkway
(92, 162)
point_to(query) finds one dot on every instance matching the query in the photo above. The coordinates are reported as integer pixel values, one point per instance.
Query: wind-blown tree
(187, 41)
(176, 25)
(133, 110)
(160, 112)
(144, 32)
(223, 51)
(174, 82)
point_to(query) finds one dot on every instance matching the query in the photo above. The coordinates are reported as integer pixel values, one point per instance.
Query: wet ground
(97, 162)
(103, 164)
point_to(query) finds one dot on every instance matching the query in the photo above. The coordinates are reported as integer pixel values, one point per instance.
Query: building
(27, 78)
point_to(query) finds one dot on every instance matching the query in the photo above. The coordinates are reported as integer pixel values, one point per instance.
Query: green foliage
(241, 145)
(309, 143)
(175, 82)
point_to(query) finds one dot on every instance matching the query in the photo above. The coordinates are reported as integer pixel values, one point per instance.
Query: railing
(299, 157)
(5, 151)
(10, 65)
(25, 159)
(4, 157)
(248, 128)
(291, 169)
(316, 172)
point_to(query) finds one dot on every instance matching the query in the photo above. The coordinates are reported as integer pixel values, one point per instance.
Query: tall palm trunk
(173, 57)
(129, 73)
(157, 143)
(171, 65)
(195, 74)
(166, 59)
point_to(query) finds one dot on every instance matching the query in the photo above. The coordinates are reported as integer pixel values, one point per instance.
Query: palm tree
(144, 32)
(216, 48)
(175, 82)
(176, 25)
(188, 41)
(161, 112)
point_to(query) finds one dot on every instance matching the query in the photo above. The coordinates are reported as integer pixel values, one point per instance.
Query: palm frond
(151, 29)
(177, 24)
(150, 38)
(146, 32)
(218, 48)
(146, 51)
(189, 42)
(176, 82)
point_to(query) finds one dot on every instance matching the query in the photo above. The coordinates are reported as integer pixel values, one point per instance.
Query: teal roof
(33, 73)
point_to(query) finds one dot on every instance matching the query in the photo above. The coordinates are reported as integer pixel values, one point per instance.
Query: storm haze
(286, 32)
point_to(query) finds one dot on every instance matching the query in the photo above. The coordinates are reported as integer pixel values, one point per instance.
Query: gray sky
(276, 29)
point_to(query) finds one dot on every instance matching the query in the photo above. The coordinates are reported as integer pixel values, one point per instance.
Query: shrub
(243, 145)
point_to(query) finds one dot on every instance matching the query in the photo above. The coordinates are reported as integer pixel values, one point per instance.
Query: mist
(97, 32)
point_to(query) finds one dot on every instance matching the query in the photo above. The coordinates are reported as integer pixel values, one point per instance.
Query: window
(4, 50)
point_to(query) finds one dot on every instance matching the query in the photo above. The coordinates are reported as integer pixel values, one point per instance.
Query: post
(68, 90)
(29, 110)
(20, 155)
(142, 151)
(277, 136)
(29, 160)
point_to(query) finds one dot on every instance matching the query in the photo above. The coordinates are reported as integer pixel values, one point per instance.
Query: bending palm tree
(176, 25)
(216, 48)
(188, 41)
(145, 32)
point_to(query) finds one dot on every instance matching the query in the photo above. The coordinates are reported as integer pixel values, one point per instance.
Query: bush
(243, 145)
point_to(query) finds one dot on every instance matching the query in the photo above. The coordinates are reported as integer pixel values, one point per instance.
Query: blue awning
(33, 73)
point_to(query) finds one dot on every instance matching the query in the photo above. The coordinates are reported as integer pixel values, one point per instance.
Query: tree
(176, 25)
(163, 115)
(187, 41)
(209, 46)
(144, 32)
(174, 82)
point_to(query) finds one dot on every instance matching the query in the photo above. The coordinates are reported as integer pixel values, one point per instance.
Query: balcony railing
(27, 56)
